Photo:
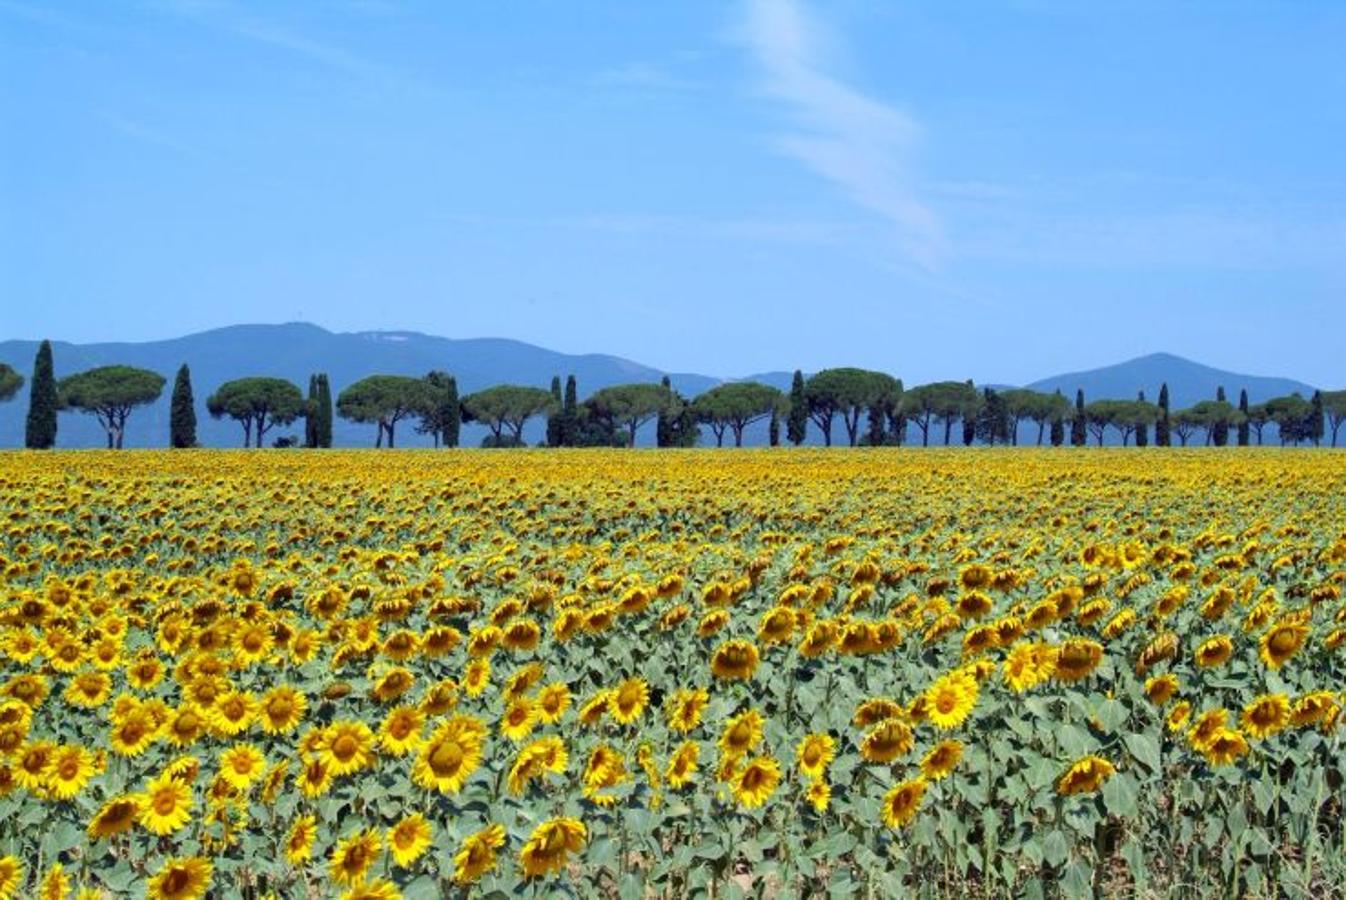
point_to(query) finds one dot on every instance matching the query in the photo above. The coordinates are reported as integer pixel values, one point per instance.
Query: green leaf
(1078, 880)
(1145, 749)
(1119, 793)
(1055, 849)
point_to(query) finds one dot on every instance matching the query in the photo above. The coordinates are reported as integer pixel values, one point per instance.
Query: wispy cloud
(643, 76)
(860, 144)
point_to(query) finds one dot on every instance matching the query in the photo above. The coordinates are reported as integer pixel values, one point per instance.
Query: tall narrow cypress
(311, 414)
(797, 424)
(1142, 428)
(1316, 429)
(1078, 434)
(570, 424)
(1220, 432)
(1245, 430)
(182, 411)
(664, 427)
(1058, 435)
(1162, 434)
(40, 433)
(323, 431)
(773, 432)
(554, 417)
(453, 414)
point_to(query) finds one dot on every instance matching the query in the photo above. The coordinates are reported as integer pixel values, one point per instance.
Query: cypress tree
(1220, 433)
(796, 426)
(1142, 429)
(1058, 436)
(665, 426)
(1315, 428)
(1078, 434)
(323, 417)
(554, 419)
(311, 414)
(773, 432)
(453, 414)
(1163, 435)
(570, 421)
(1245, 431)
(182, 411)
(40, 433)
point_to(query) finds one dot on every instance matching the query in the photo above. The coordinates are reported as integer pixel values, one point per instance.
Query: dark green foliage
(1219, 434)
(847, 393)
(1244, 429)
(627, 407)
(676, 422)
(324, 412)
(940, 402)
(257, 403)
(10, 382)
(1334, 405)
(1315, 423)
(109, 393)
(1143, 428)
(1079, 422)
(40, 433)
(311, 413)
(992, 422)
(796, 426)
(1162, 427)
(773, 430)
(735, 406)
(876, 431)
(505, 408)
(570, 415)
(182, 411)
(557, 411)
(442, 411)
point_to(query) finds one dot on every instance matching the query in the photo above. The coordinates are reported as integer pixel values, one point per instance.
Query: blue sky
(989, 190)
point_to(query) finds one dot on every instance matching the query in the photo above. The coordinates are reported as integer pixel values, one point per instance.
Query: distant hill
(1188, 382)
(296, 350)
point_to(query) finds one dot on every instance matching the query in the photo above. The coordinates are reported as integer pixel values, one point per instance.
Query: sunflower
(1266, 715)
(134, 734)
(1314, 708)
(477, 855)
(1161, 688)
(55, 885)
(1224, 747)
(353, 856)
(400, 733)
(682, 765)
(34, 764)
(628, 701)
(1085, 776)
(232, 713)
(181, 878)
(185, 725)
(819, 795)
(685, 707)
(1076, 658)
(1214, 651)
(450, 755)
(383, 889)
(1177, 716)
(348, 746)
(477, 677)
(299, 842)
(875, 710)
(315, 778)
(113, 817)
(950, 699)
(941, 760)
(755, 783)
(742, 733)
(71, 768)
(89, 689)
(552, 702)
(549, 847)
(593, 710)
(241, 765)
(734, 660)
(166, 806)
(1207, 726)
(814, 753)
(605, 769)
(1282, 641)
(518, 719)
(409, 839)
(282, 709)
(887, 741)
(902, 801)
(1026, 666)
(11, 876)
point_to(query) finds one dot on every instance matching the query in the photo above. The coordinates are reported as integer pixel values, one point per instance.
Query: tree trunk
(391, 426)
(247, 433)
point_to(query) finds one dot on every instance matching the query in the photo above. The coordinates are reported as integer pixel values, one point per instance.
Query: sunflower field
(665, 674)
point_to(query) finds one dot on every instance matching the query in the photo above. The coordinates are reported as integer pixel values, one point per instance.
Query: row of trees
(871, 408)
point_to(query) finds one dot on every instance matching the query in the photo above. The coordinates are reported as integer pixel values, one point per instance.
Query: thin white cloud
(858, 143)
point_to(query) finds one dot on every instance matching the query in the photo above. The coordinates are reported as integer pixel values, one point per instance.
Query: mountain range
(295, 350)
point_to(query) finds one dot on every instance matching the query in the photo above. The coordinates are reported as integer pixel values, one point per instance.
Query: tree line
(859, 406)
